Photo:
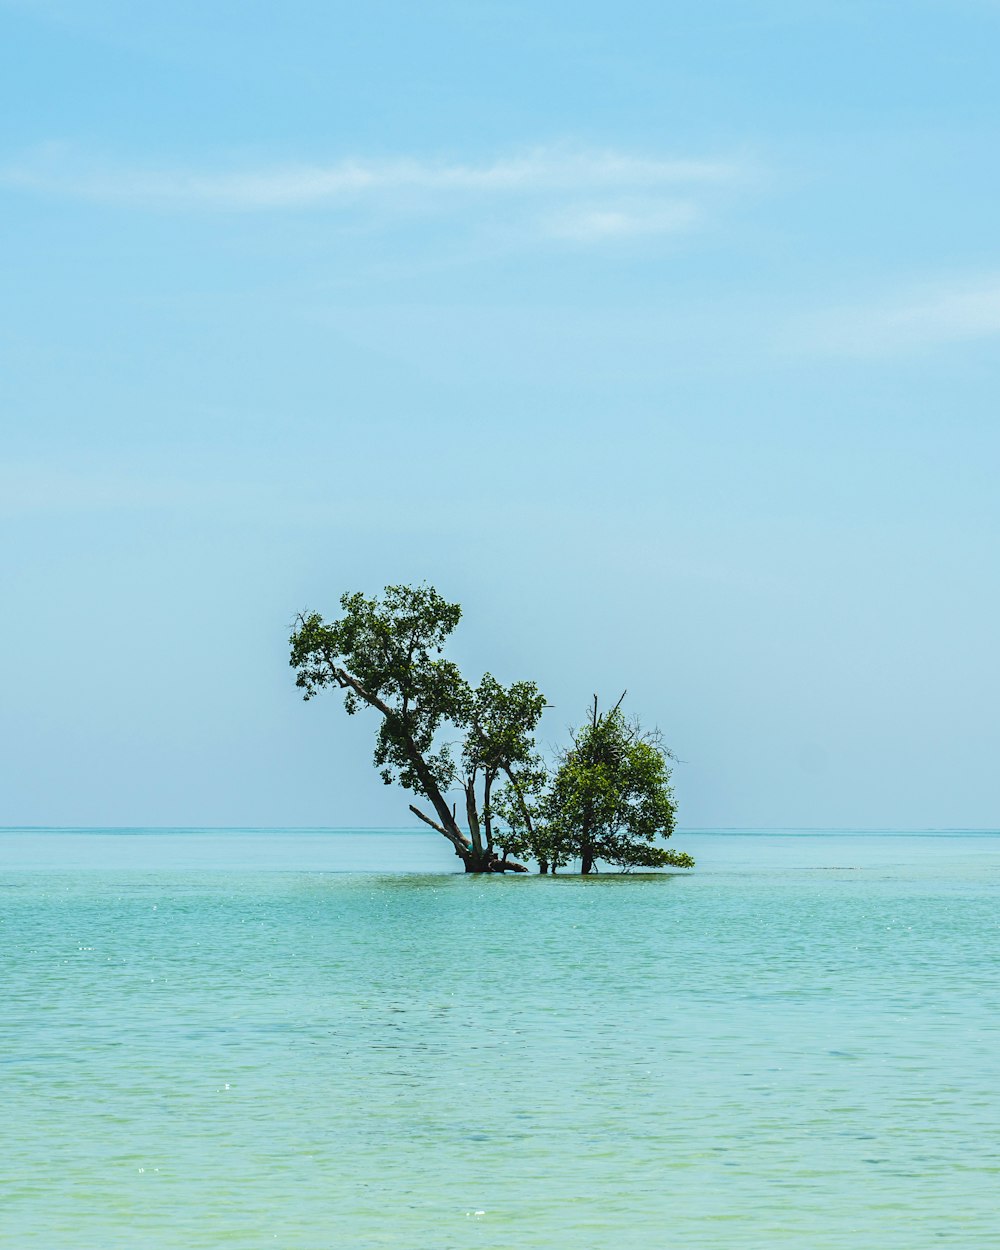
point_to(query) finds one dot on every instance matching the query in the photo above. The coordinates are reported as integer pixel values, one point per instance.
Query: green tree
(610, 797)
(386, 654)
(499, 750)
(519, 816)
(607, 799)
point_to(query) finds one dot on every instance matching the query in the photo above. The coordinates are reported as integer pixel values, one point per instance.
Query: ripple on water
(761, 1059)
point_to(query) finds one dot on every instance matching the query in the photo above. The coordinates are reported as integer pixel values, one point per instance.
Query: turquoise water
(256, 1039)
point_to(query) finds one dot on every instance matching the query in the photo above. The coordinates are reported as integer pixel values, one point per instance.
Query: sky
(662, 337)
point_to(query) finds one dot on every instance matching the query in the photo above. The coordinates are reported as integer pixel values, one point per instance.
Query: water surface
(308, 1039)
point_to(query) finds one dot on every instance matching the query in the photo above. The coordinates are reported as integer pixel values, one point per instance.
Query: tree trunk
(486, 861)
(429, 787)
(587, 847)
(487, 814)
(476, 861)
(473, 816)
(543, 867)
(473, 855)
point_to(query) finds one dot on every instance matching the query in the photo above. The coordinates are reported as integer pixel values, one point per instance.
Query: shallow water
(258, 1039)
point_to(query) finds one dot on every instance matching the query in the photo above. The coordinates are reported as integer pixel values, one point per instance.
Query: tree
(385, 654)
(500, 749)
(610, 797)
(519, 806)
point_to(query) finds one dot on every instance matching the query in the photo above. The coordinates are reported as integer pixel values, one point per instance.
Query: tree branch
(346, 681)
(520, 798)
(427, 821)
(456, 842)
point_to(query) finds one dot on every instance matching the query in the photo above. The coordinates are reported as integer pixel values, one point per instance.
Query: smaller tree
(610, 798)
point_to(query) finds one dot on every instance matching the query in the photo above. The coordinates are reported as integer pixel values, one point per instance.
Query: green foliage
(501, 726)
(610, 798)
(519, 808)
(386, 653)
(499, 749)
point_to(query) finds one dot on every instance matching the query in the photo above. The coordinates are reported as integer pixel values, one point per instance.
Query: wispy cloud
(588, 224)
(924, 317)
(542, 171)
(573, 196)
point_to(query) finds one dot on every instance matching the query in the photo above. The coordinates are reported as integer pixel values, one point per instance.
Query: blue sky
(662, 337)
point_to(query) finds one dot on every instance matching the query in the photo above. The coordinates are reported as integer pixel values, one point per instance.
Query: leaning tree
(386, 654)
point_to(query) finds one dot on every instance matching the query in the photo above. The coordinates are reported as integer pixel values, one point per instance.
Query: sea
(332, 1038)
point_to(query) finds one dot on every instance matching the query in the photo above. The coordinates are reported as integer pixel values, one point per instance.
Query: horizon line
(198, 828)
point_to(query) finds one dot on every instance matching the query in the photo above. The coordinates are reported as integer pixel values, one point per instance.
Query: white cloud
(593, 224)
(549, 172)
(922, 318)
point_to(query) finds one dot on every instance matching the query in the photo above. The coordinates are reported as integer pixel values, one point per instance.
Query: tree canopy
(385, 654)
(607, 799)
(610, 798)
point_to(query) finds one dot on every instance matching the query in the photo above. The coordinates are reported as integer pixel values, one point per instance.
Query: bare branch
(427, 821)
